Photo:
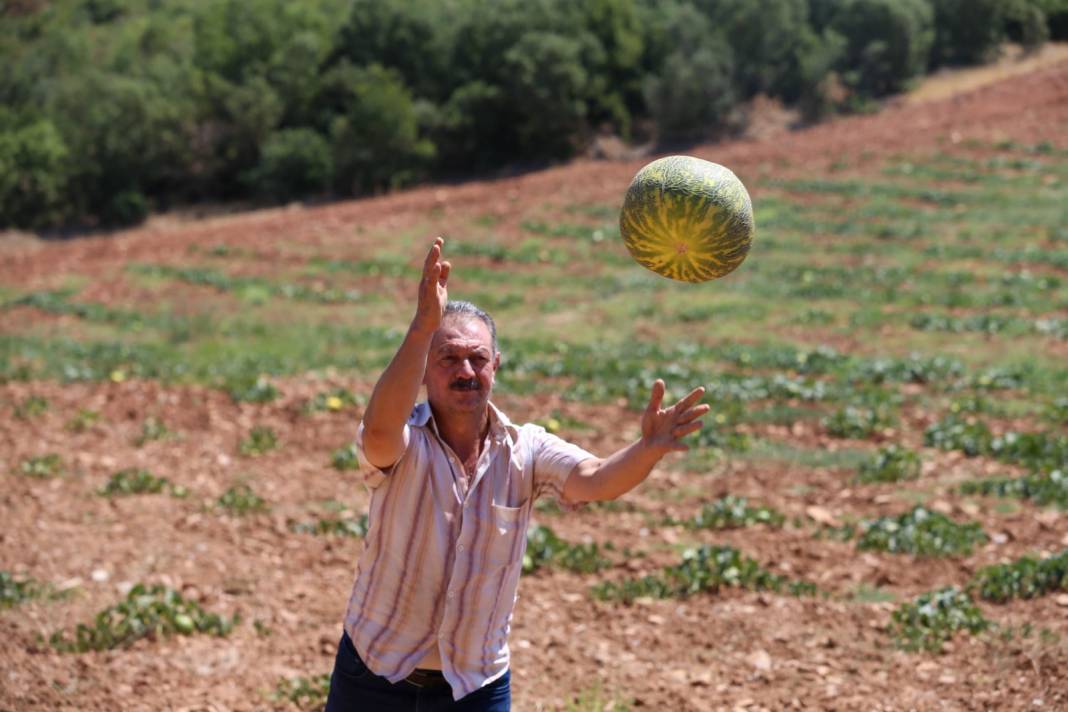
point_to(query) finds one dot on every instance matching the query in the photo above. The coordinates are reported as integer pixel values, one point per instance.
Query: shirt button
(459, 547)
(451, 594)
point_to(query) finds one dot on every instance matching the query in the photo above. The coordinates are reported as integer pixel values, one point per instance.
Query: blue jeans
(354, 688)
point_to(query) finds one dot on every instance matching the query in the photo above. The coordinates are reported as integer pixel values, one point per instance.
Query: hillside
(898, 338)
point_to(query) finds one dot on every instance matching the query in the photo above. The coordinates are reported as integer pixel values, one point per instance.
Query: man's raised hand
(433, 294)
(663, 428)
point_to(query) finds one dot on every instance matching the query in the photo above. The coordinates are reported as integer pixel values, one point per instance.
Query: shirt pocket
(507, 526)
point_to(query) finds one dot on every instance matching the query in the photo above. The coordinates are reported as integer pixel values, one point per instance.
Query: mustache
(465, 384)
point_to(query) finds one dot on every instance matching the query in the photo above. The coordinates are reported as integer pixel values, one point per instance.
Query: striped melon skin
(687, 219)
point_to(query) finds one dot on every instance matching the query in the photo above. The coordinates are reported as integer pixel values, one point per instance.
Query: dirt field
(732, 650)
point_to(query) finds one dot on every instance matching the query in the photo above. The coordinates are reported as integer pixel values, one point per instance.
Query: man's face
(460, 367)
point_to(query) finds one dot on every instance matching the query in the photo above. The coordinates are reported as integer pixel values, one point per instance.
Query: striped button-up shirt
(442, 557)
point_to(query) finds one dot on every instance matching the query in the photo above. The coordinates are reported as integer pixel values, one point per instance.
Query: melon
(687, 219)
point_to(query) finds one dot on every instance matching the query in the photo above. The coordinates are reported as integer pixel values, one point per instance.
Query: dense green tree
(376, 141)
(294, 163)
(692, 93)
(887, 43)
(967, 31)
(33, 175)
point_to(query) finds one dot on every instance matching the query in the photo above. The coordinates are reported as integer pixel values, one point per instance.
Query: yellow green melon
(687, 219)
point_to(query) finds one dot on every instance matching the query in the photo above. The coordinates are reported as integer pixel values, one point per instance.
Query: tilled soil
(730, 650)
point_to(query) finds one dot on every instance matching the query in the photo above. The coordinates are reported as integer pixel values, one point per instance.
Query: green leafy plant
(333, 401)
(1057, 411)
(1041, 489)
(1024, 578)
(732, 512)
(921, 532)
(345, 458)
(261, 439)
(249, 387)
(139, 481)
(307, 693)
(151, 429)
(83, 420)
(352, 527)
(932, 618)
(241, 500)
(704, 569)
(42, 466)
(31, 407)
(146, 612)
(857, 422)
(14, 591)
(544, 548)
(892, 463)
(970, 436)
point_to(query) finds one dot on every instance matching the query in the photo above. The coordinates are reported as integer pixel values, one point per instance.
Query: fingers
(656, 397)
(693, 414)
(446, 267)
(433, 256)
(691, 398)
(681, 431)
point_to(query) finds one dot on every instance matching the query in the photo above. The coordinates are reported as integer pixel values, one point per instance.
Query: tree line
(112, 108)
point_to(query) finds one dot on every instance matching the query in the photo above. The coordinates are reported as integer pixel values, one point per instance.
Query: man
(452, 490)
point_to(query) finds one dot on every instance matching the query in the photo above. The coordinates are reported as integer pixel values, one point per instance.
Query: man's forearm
(394, 395)
(595, 480)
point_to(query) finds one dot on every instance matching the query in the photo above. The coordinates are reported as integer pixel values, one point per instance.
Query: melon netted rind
(687, 219)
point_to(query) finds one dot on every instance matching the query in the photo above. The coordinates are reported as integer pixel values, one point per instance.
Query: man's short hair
(462, 309)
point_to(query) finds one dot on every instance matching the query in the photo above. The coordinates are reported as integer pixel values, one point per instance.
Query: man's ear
(496, 361)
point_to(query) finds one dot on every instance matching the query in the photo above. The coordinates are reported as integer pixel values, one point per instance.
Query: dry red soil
(731, 650)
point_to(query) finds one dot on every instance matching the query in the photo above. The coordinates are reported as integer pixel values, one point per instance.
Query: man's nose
(466, 369)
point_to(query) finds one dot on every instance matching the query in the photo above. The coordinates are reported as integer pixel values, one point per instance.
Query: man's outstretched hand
(663, 428)
(433, 294)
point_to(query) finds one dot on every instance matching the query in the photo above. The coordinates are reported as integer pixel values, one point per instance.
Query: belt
(427, 678)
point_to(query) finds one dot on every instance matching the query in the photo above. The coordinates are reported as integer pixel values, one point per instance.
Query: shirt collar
(500, 428)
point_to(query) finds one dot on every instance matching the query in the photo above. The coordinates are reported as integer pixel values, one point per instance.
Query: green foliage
(152, 429)
(261, 439)
(1024, 578)
(920, 532)
(1035, 450)
(345, 458)
(241, 500)
(874, 411)
(544, 548)
(970, 436)
(1049, 489)
(932, 619)
(294, 163)
(249, 387)
(332, 401)
(351, 527)
(693, 91)
(704, 569)
(113, 109)
(139, 481)
(888, 42)
(375, 139)
(892, 463)
(307, 693)
(31, 407)
(146, 612)
(732, 512)
(42, 466)
(33, 175)
(82, 420)
(15, 591)
(967, 31)
(595, 699)
(1057, 411)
